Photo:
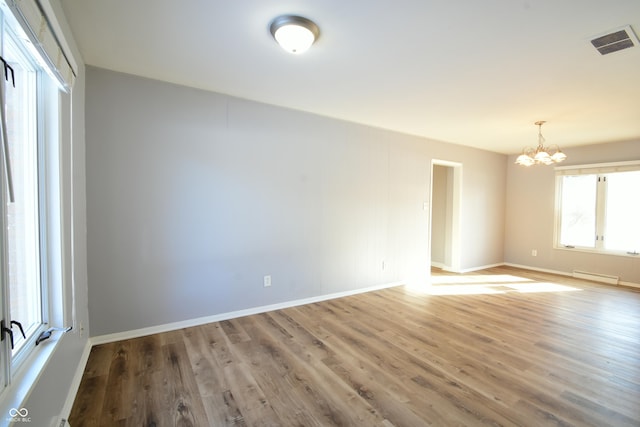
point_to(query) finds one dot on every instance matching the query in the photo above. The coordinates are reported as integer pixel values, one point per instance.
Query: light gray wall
(193, 197)
(48, 395)
(531, 210)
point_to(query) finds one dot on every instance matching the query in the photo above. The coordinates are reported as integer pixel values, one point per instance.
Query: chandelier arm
(541, 154)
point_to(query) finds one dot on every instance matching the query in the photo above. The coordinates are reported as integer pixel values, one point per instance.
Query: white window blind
(38, 29)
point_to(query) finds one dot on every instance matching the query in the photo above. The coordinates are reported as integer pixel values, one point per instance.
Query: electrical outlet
(534, 252)
(267, 281)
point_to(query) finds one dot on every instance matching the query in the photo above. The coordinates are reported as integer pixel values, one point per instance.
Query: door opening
(446, 178)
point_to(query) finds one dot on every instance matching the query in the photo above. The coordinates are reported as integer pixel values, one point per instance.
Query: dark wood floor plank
(280, 371)
(503, 346)
(219, 402)
(334, 402)
(87, 407)
(117, 405)
(419, 376)
(183, 400)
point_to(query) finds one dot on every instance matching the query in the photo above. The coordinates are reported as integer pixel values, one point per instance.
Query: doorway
(446, 184)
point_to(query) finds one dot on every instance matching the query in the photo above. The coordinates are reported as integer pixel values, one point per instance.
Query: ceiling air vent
(615, 41)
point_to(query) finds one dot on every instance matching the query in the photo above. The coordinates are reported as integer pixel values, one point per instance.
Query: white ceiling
(471, 72)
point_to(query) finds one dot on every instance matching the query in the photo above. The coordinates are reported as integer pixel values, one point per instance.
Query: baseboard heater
(596, 277)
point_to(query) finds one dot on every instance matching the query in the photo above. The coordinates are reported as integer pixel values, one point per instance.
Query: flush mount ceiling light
(294, 34)
(541, 154)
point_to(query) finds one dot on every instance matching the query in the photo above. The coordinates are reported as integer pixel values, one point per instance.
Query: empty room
(357, 213)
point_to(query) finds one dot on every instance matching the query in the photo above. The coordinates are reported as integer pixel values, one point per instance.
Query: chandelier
(541, 154)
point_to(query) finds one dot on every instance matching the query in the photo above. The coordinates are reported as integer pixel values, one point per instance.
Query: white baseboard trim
(629, 284)
(75, 382)
(543, 270)
(463, 270)
(136, 333)
(482, 267)
(564, 273)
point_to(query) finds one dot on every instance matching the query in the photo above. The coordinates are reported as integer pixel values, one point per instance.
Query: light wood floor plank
(501, 347)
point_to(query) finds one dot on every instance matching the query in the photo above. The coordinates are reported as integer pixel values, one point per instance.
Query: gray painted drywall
(47, 397)
(531, 210)
(192, 197)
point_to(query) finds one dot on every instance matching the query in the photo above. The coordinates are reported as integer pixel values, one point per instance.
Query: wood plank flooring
(501, 347)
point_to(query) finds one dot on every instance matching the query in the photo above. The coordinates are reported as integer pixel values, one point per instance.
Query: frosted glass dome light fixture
(294, 34)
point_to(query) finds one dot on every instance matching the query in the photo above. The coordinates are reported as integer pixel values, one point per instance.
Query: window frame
(17, 369)
(600, 170)
(34, 92)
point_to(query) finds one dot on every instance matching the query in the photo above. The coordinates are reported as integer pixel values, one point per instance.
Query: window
(598, 208)
(22, 215)
(28, 278)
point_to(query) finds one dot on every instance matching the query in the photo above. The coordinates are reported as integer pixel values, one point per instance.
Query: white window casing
(38, 29)
(604, 210)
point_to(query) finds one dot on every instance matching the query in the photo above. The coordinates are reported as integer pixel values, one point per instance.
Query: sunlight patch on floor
(478, 278)
(486, 285)
(461, 290)
(541, 287)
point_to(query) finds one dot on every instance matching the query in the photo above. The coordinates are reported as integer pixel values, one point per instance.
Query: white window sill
(596, 251)
(23, 381)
